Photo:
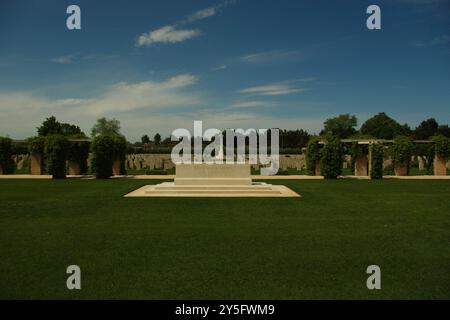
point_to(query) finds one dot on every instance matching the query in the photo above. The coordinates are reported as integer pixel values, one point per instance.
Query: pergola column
(317, 169)
(116, 167)
(439, 165)
(401, 170)
(361, 165)
(36, 164)
(74, 168)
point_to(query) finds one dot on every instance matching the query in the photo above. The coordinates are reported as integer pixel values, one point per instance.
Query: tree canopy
(381, 126)
(342, 126)
(106, 127)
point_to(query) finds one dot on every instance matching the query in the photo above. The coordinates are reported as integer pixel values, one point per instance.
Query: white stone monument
(213, 180)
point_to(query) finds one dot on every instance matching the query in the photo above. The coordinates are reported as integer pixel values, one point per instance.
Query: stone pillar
(36, 164)
(400, 170)
(116, 167)
(317, 171)
(361, 165)
(74, 168)
(439, 166)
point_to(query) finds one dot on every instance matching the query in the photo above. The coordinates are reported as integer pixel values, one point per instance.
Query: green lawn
(314, 247)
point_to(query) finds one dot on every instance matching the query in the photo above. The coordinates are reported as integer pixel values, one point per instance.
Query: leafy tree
(342, 126)
(444, 130)
(145, 139)
(426, 129)
(50, 126)
(106, 127)
(381, 126)
(157, 139)
(293, 138)
(68, 129)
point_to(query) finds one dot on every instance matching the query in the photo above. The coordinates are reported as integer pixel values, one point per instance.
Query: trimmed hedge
(376, 158)
(331, 158)
(56, 148)
(105, 149)
(312, 155)
(6, 162)
(102, 147)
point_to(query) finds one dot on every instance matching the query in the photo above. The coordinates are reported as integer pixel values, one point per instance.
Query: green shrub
(376, 158)
(331, 158)
(79, 153)
(401, 151)
(312, 155)
(6, 162)
(102, 148)
(36, 145)
(55, 150)
(442, 146)
(120, 152)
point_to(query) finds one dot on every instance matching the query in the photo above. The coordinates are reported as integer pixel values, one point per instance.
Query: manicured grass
(314, 247)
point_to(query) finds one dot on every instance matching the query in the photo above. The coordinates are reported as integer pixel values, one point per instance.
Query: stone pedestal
(361, 165)
(317, 169)
(213, 174)
(36, 164)
(116, 167)
(401, 170)
(74, 168)
(439, 166)
(213, 180)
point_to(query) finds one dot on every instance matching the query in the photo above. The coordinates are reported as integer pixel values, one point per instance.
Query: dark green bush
(55, 150)
(331, 158)
(6, 162)
(36, 145)
(442, 146)
(120, 152)
(401, 151)
(102, 148)
(312, 155)
(376, 158)
(79, 152)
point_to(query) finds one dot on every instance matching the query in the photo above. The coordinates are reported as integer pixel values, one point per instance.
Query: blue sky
(159, 65)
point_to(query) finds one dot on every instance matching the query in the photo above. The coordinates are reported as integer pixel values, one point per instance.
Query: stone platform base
(169, 189)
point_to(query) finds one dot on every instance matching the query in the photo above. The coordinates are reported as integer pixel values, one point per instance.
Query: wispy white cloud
(440, 40)
(221, 67)
(268, 56)
(119, 100)
(167, 34)
(253, 104)
(174, 33)
(67, 59)
(274, 89)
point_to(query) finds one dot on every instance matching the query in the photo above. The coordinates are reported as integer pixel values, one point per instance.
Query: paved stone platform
(170, 189)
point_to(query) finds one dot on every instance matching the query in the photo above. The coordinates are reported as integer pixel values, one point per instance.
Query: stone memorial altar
(213, 180)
